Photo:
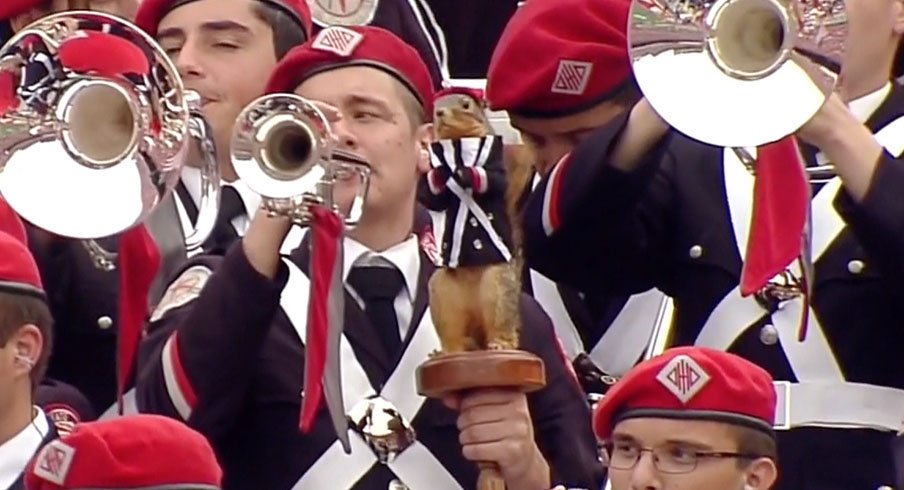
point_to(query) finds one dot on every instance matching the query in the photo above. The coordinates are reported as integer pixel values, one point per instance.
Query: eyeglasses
(670, 458)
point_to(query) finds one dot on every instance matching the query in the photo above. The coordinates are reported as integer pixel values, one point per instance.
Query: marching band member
(138, 452)
(561, 70)
(207, 40)
(226, 354)
(25, 342)
(690, 418)
(63, 404)
(638, 205)
(82, 298)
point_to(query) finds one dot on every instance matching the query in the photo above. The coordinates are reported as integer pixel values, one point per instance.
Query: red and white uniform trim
(178, 385)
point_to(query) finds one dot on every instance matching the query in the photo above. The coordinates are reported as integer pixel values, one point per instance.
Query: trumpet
(284, 149)
(88, 152)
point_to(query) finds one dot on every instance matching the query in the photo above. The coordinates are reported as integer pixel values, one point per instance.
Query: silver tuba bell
(89, 152)
(736, 74)
(284, 149)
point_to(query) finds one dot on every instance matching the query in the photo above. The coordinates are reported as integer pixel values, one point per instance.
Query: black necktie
(231, 207)
(378, 287)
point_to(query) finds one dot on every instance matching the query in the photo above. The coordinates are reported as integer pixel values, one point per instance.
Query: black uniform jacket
(241, 360)
(591, 314)
(84, 299)
(483, 184)
(667, 225)
(83, 302)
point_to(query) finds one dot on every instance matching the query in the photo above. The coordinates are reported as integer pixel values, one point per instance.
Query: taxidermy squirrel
(474, 296)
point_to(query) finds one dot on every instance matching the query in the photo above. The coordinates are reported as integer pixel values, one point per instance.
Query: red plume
(781, 204)
(781, 199)
(322, 377)
(139, 260)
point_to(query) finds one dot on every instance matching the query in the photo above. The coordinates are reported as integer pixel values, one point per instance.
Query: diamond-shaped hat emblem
(683, 377)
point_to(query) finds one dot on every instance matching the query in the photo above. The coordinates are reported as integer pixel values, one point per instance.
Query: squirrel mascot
(474, 295)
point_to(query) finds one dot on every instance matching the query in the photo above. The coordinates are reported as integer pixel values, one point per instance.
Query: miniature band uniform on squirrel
(468, 183)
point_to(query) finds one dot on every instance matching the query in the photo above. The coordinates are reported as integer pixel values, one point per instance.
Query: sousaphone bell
(736, 74)
(87, 151)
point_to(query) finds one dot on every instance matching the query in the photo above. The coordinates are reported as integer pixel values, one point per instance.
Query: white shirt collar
(191, 177)
(405, 256)
(864, 107)
(16, 452)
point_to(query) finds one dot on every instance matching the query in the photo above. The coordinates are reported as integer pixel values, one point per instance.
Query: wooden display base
(458, 372)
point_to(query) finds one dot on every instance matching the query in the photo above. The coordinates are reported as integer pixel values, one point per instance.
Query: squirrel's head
(459, 116)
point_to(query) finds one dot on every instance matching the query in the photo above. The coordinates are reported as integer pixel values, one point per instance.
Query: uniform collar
(864, 107)
(405, 256)
(16, 452)
(191, 177)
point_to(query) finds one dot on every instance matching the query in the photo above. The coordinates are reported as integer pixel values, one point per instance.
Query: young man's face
(874, 28)
(375, 125)
(223, 51)
(679, 467)
(552, 138)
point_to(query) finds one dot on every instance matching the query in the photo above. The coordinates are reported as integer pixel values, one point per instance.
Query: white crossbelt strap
(416, 467)
(129, 407)
(627, 338)
(545, 292)
(623, 342)
(813, 362)
(813, 358)
(838, 405)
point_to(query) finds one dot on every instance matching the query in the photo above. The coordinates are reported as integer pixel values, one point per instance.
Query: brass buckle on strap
(784, 287)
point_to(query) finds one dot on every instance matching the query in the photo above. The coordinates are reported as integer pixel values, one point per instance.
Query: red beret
(18, 270)
(474, 93)
(11, 223)
(12, 8)
(120, 56)
(337, 47)
(151, 12)
(691, 382)
(560, 57)
(139, 451)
